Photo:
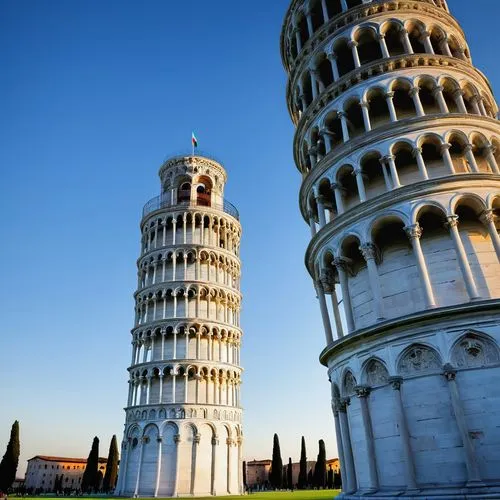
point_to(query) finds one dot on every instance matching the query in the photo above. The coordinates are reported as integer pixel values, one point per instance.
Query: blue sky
(95, 95)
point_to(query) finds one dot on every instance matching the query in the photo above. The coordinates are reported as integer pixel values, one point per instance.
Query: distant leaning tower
(398, 147)
(183, 433)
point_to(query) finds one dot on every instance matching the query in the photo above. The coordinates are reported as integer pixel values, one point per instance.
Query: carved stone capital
(416, 151)
(414, 91)
(445, 146)
(352, 43)
(449, 372)
(452, 221)
(369, 251)
(437, 90)
(362, 391)
(215, 440)
(396, 382)
(342, 263)
(177, 438)
(197, 439)
(487, 217)
(414, 231)
(389, 95)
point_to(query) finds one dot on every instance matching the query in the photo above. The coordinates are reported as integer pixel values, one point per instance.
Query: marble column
(404, 434)
(324, 312)
(350, 485)
(340, 445)
(369, 253)
(445, 153)
(488, 219)
(158, 467)
(474, 477)
(362, 393)
(417, 154)
(414, 233)
(342, 266)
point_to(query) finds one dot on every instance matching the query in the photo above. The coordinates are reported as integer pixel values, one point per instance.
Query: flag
(194, 141)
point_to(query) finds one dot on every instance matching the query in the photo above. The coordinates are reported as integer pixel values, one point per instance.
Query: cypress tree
(277, 465)
(329, 481)
(10, 461)
(289, 477)
(320, 467)
(303, 465)
(90, 476)
(245, 474)
(310, 478)
(109, 481)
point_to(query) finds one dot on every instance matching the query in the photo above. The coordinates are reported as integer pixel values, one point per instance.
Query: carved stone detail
(376, 373)
(474, 351)
(419, 359)
(349, 384)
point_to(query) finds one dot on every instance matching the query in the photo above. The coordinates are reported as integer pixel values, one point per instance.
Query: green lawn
(266, 495)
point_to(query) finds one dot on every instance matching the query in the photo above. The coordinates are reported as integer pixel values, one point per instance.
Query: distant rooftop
(48, 458)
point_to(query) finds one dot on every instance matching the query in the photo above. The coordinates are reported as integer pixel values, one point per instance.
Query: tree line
(281, 477)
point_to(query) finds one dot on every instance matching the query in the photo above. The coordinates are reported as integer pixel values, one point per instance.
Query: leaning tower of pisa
(398, 147)
(183, 431)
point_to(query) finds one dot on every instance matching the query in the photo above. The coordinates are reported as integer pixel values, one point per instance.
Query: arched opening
(353, 3)
(450, 87)
(406, 164)
(378, 110)
(347, 181)
(427, 98)
(303, 30)
(325, 190)
(184, 192)
(470, 99)
(455, 48)
(431, 154)
(204, 191)
(480, 151)
(375, 180)
(293, 46)
(405, 107)
(393, 40)
(368, 46)
(325, 71)
(307, 87)
(334, 7)
(457, 153)
(333, 127)
(316, 15)
(354, 118)
(345, 61)
(350, 250)
(477, 244)
(437, 38)
(415, 31)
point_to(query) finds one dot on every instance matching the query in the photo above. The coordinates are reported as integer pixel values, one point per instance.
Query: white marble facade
(398, 146)
(183, 430)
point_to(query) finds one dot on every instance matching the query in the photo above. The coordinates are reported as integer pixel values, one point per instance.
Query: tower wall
(397, 144)
(183, 431)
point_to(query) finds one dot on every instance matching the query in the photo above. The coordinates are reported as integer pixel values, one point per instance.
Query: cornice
(199, 363)
(395, 130)
(388, 200)
(191, 162)
(419, 319)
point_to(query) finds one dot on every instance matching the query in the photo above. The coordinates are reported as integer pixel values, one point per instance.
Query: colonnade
(192, 266)
(219, 347)
(189, 303)
(207, 388)
(340, 407)
(326, 281)
(190, 228)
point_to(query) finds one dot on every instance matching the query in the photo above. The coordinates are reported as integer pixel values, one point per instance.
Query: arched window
(419, 359)
(393, 40)
(376, 373)
(368, 46)
(354, 118)
(378, 109)
(474, 350)
(345, 61)
(402, 100)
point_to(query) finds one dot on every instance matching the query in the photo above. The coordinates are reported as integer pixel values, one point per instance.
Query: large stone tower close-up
(183, 430)
(397, 143)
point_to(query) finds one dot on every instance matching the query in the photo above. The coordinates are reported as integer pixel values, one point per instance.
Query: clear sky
(94, 96)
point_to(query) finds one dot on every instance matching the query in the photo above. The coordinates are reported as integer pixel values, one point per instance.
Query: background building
(183, 431)
(42, 472)
(397, 144)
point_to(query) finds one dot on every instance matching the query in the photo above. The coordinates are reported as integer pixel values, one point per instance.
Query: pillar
(390, 104)
(414, 233)
(369, 253)
(324, 312)
(358, 172)
(445, 153)
(337, 191)
(417, 154)
(462, 258)
(158, 467)
(473, 474)
(137, 481)
(488, 219)
(471, 160)
(215, 443)
(340, 445)
(335, 68)
(366, 115)
(392, 167)
(414, 93)
(353, 45)
(196, 442)
(459, 99)
(177, 440)
(437, 92)
(345, 128)
(490, 157)
(406, 41)
(362, 394)
(404, 434)
(342, 267)
(426, 39)
(383, 46)
(350, 484)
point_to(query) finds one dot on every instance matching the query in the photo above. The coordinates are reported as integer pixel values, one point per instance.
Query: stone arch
(474, 349)
(374, 372)
(348, 383)
(418, 359)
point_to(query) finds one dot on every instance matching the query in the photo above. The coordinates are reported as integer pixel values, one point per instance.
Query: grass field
(261, 495)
